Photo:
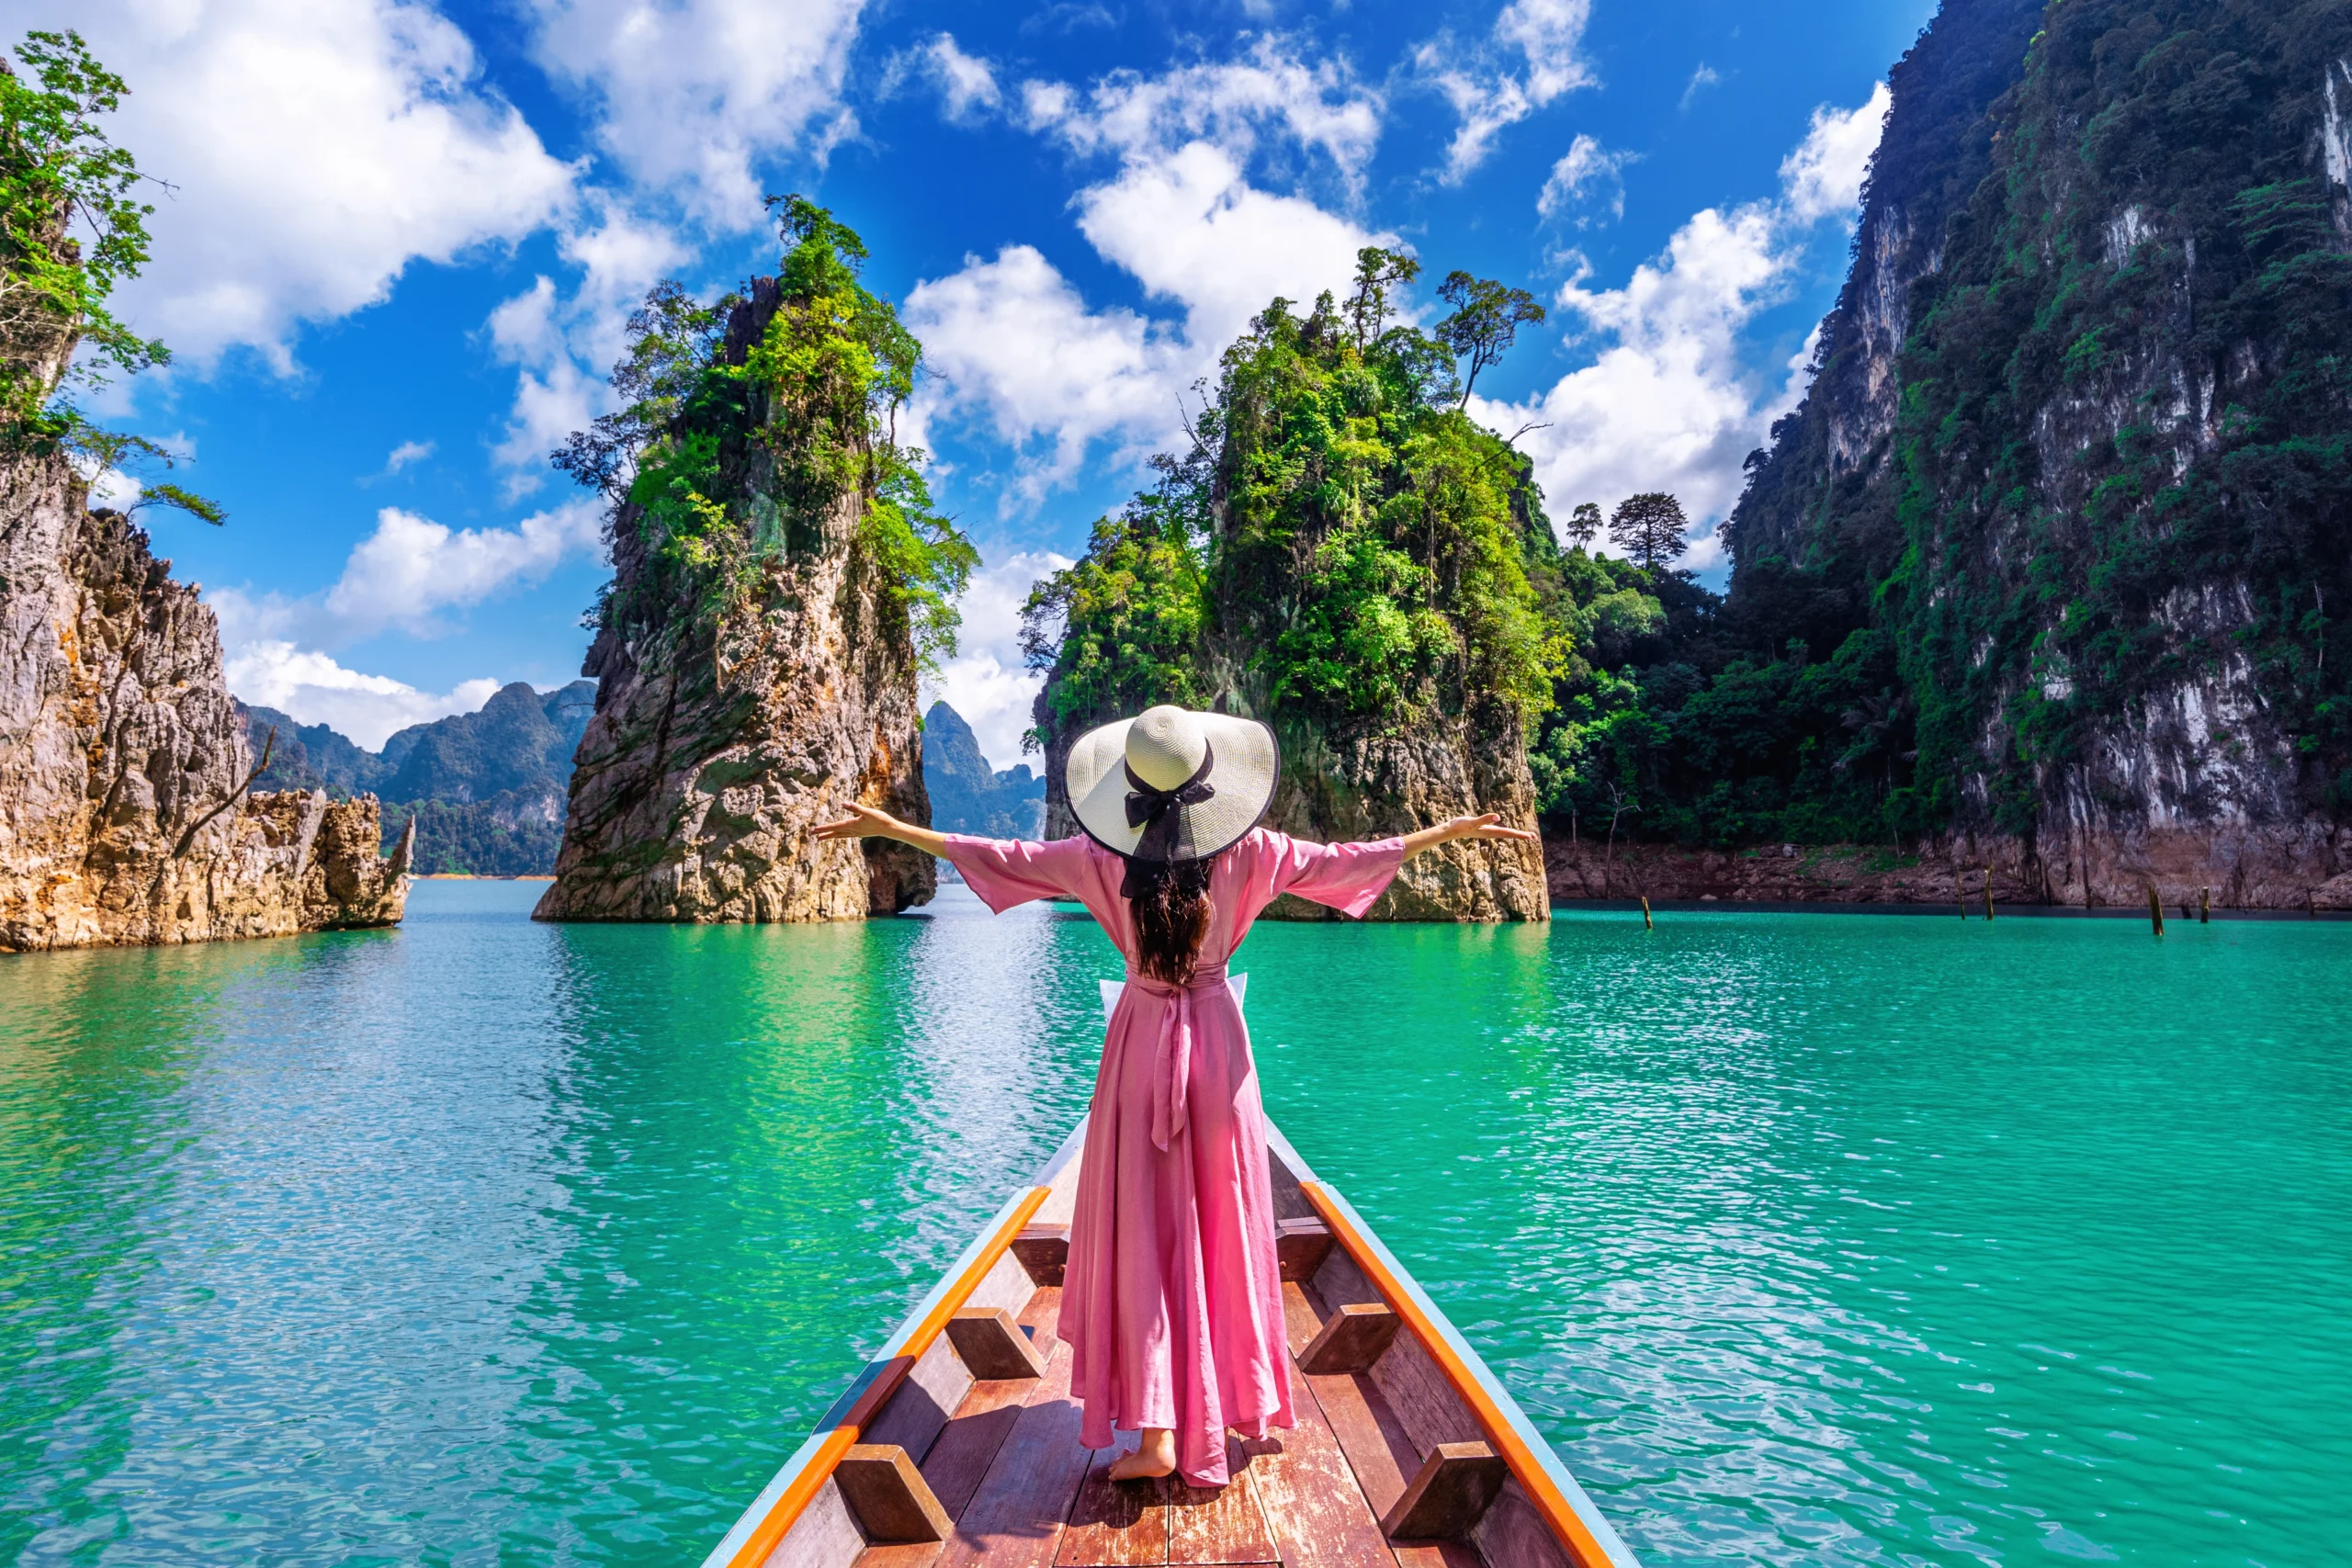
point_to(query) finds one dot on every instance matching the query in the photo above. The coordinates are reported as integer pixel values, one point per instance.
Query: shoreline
(482, 876)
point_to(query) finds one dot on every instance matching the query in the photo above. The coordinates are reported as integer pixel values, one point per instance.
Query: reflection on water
(1807, 1238)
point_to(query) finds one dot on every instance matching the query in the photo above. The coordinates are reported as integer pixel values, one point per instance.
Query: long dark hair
(1171, 904)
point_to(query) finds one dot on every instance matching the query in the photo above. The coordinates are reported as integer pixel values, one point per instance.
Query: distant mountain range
(487, 789)
(966, 796)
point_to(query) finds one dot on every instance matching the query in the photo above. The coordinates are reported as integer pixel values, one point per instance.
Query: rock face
(716, 746)
(484, 791)
(1335, 788)
(125, 816)
(2232, 871)
(2079, 439)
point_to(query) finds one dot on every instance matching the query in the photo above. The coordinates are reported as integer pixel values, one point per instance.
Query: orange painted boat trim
(880, 1380)
(1501, 1429)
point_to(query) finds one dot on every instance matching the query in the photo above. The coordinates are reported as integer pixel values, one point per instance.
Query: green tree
(1584, 525)
(718, 468)
(1650, 528)
(1485, 321)
(1379, 273)
(1119, 630)
(60, 179)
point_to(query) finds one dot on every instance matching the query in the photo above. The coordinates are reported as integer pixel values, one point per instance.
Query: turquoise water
(1807, 1238)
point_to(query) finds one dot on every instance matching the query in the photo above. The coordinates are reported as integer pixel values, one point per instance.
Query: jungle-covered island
(2032, 597)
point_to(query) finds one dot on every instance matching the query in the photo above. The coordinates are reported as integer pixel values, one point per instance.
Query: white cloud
(561, 346)
(1587, 173)
(400, 576)
(1670, 403)
(1489, 90)
(1194, 232)
(315, 148)
(966, 83)
(412, 566)
(1824, 176)
(1011, 341)
(1013, 344)
(404, 454)
(1264, 100)
(1704, 77)
(309, 687)
(987, 681)
(689, 95)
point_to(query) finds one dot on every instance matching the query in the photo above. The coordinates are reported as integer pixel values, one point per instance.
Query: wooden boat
(957, 1445)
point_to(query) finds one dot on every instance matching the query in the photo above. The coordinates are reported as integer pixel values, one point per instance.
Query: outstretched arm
(871, 822)
(1488, 827)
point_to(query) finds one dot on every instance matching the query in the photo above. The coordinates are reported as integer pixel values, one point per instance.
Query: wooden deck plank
(1374, 1441)
(1318, 1513)
(1115, 1524)
(1014, 1520)
(1220, 1525)
(960, 1457)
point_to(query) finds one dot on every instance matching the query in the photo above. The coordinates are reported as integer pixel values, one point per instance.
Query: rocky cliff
(125, 816)
(1349, 558)
(485, 790)
(969, 797)
(2079, 455)
(774, 558)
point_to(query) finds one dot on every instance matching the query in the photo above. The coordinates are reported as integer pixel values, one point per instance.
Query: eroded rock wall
(2298, 867)
(717, 745)
(1376, 784)
(124, 815)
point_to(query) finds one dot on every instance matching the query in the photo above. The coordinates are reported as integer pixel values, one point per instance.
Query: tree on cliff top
(1485, 321)
(1650, 528)
(1373, 550)
(816, 397)
(69, 232)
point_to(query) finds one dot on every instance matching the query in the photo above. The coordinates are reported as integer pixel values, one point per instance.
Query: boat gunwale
(771, 1516)
(1568, 1512)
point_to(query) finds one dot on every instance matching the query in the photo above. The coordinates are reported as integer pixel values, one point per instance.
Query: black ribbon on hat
(1165, 833)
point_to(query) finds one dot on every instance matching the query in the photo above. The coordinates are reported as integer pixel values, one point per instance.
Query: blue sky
(401, 239)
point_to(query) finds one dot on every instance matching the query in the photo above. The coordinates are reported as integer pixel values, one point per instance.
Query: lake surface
(1807, 1238)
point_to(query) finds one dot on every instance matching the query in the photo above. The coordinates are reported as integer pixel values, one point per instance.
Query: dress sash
(1171, 1067)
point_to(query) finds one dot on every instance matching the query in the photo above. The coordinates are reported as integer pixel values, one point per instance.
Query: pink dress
(1171, 1304)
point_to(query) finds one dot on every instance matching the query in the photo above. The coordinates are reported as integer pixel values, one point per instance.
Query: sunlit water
(1807, 1238)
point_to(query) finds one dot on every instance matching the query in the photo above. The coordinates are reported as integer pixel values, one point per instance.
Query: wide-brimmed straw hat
(1172, 786)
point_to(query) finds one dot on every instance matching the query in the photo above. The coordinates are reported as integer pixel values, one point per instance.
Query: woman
(1171, 1304)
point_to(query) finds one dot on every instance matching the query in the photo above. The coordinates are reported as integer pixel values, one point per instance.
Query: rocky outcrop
(2296, 868)
(969, 797)
(719, 741)
(125, 816)
(1342, 783)
(2078, 441)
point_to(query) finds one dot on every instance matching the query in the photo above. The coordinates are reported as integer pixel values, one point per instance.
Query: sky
(395, 245)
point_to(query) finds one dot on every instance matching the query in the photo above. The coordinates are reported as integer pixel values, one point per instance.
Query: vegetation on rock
(1378, 553)
(721, 462)
(60, 179)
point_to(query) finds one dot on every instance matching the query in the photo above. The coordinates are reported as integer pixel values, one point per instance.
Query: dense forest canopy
(717, 463)
(1378, 552)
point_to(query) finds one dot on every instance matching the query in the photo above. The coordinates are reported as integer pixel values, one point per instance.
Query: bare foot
(1153, 1458)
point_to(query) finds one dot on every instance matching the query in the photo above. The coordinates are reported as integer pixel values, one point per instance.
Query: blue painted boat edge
(1289, 1154)
(1586, 1509)
(724, 1552)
